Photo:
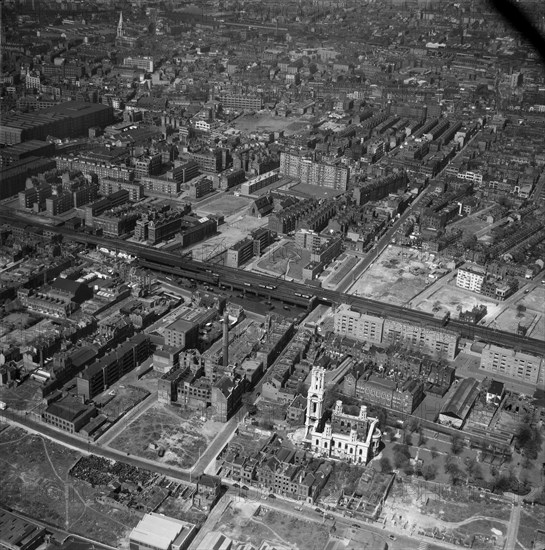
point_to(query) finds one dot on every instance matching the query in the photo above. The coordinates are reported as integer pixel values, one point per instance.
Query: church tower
(315, 398)
(120, 26)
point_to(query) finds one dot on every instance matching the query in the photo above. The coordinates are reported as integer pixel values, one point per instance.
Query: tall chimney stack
(225, 339)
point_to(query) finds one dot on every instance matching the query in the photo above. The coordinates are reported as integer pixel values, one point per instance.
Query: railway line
(267, 286)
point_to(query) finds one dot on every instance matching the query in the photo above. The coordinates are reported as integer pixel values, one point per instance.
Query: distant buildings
(311, 172)
(69, 119)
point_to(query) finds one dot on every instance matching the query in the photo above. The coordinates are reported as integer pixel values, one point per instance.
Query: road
(397, 539)
(85, 446)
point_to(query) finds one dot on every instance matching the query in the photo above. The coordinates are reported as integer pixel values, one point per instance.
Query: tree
(528, 439)
(385, 465)
(434, 452)
(457, 444)
(408, 439)
(402, 455)
(412, 425)
(429, 471)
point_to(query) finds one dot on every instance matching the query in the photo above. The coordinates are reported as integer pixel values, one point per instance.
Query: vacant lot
(452, 298)
(528, 311)
(183, 436)
(396, 277)
(224, 204)
(126, 397)
(265, 122)
(287, 260)
(34, 479)
(242, 522)
(27, 396)
(231, 232)
(22, 328)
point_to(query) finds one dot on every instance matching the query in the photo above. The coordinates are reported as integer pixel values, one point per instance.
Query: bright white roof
(157, 531)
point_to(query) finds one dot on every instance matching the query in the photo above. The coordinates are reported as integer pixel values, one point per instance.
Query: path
(513, 527)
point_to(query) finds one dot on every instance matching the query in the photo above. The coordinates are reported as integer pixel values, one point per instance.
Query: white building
(470, 279)
(352, 437)
(159, 532)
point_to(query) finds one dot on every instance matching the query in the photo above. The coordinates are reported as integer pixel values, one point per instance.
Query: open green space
(531, 518)
(34, 480)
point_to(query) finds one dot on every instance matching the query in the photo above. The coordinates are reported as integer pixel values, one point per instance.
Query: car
(355, 525)
(526, 291)
(392, 537)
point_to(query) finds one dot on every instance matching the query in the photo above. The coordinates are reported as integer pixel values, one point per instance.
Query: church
(351, 437)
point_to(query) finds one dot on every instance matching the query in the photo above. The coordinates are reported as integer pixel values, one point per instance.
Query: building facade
(354, 438)
(516, 365)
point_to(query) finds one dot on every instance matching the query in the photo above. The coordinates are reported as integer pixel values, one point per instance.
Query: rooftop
(158, 531)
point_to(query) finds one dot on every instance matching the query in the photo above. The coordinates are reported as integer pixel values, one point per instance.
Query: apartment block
(470, 278)
(517, 365)
(102, 374)
(428, 340)
(314, 173)
(358, 325)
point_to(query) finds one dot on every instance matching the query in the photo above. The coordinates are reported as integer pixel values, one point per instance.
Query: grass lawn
(530, 520)
(453, 511)
(481, 526)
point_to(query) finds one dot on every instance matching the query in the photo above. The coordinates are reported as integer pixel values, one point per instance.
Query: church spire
(120, 26)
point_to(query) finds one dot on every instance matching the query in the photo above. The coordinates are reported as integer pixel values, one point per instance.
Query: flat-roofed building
(471, 278)
(69, 414)
(434, 341)
(182, 334)
(516, 365)
(158, 532)
(357, 325)
(18, 533)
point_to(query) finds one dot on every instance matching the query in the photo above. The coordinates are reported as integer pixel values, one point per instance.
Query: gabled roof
(462, 399)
